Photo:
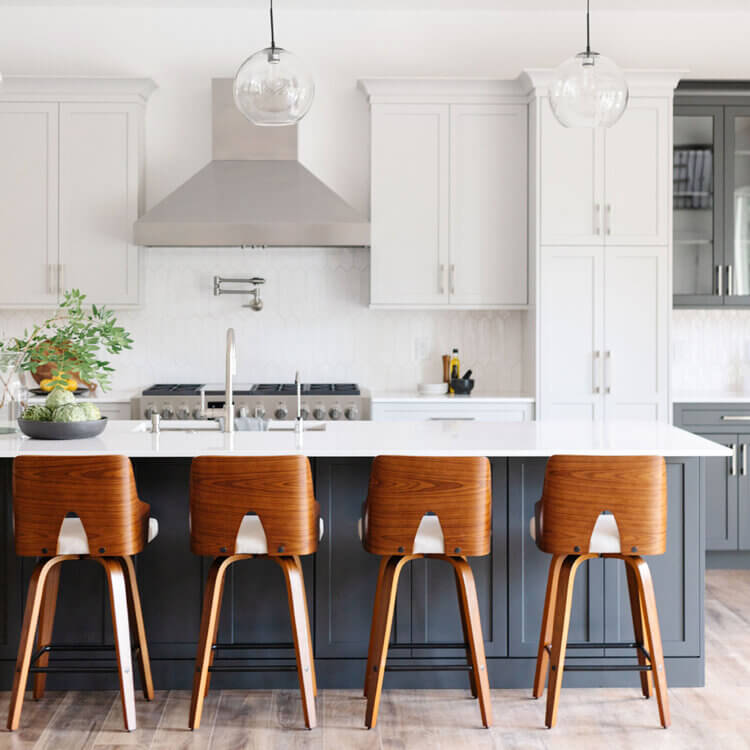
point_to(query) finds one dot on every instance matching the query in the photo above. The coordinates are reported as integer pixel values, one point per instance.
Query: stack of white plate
(432, 389)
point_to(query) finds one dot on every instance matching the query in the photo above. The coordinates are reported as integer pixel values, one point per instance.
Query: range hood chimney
(253, 192)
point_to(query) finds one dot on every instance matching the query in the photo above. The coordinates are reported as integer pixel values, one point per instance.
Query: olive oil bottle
(455, 368)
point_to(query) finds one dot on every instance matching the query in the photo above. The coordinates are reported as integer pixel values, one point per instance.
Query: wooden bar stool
(439, 508)
(599, 506)
(242, 508)
(79, 508)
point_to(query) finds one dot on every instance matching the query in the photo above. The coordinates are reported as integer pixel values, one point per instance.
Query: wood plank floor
(714, 717)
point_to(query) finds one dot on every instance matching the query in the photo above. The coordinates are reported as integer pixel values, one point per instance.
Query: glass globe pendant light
(588, 90)
(272, 87)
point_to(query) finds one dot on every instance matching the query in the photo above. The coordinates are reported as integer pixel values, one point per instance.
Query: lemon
(67, 383)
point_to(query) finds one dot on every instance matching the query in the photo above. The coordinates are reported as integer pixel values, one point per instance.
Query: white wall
(181, 49)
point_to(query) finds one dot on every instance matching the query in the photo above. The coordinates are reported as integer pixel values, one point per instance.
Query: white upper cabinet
(449, 173)
(607, 185)
(28, 203)
(70, 188)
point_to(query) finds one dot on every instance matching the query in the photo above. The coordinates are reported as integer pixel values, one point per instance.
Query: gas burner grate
(173, 389)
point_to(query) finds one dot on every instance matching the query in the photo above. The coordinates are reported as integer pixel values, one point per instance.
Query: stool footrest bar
(429, 668)
(251, 646)
(461, 646)
(253, 668)
(608, 668)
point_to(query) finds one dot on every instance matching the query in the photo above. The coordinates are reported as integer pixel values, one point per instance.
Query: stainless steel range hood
(254, 192)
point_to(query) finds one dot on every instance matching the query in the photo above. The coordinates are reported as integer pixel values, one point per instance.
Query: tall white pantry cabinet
(71, 186)
(600, 204)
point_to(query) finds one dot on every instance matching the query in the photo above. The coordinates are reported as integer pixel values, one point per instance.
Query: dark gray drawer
(732, 417)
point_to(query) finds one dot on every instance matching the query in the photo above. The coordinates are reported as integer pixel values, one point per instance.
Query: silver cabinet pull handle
(452, 278)
(730, 281)
(441, 278)
(51, 278)
(608, 221)
(597, 218)
(453, 419)
(743, 462)
(719, 282)
(608, 372)
(61, 278)
(595, 373)
(736, 417)
(733, 461)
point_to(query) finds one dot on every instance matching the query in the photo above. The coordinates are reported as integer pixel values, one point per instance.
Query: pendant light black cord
(588, 31)
(273, 38)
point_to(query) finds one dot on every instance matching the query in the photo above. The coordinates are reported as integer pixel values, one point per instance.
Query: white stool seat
(72, 539)
(605, 538)
(429, 539)
(251, 538)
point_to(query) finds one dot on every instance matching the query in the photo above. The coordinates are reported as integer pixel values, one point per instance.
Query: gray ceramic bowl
(62, 430)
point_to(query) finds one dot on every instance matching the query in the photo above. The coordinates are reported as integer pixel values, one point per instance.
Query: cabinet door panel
(410, 194)
(570, 331)
(722, 496)
(636, 174)
(99, 200)
(571, 182)
(636, 305)
(488, 248)
(743, 500)
(677, 574)
(528, 567)
(28, 209)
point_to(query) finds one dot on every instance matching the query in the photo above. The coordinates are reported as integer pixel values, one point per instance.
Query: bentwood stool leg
(465, 631)
(476, 638)
(301, 631)
(653, 634)
(375, 608)
(560, 633)
(137, 627)
(309, 630)
(548, 619)
(46, 625)
(209, 623)
(647, 683)
(28, 631)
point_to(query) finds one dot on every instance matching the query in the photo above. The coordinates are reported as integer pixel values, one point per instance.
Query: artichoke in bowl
(59, 397)
(37, 413)
(90, 410)
(69, 413)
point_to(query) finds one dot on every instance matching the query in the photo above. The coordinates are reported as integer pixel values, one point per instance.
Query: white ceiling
(419, 5)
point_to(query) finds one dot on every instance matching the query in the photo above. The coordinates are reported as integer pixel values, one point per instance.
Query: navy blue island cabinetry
(341, 581)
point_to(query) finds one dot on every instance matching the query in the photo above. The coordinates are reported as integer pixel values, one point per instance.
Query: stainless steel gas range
(320, 401)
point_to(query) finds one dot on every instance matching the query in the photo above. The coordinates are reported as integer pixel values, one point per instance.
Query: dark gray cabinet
(711, 194)
(600, 607)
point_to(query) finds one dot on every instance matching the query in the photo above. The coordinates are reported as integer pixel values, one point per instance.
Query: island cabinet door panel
(743, 481)
(634, 358)
(528, 567)
(99, 172)
(28, 203)
(11, 591)
(345, 574)
(409, 204)
(570, 331)
(722, 495)
(488, 222)
(435, 614)
(678, 574)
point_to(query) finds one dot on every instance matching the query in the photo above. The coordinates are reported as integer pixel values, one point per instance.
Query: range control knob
(167, 412)
(259, 412)
(304, 412)
(150, 411)
(183, 413)
(335, 413)
(197, 414)
(281, 412)
(242, 411)
(352, 412)
(319, 412)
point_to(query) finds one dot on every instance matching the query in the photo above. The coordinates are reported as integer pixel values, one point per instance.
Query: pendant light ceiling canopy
(588, 90)
(272, 87)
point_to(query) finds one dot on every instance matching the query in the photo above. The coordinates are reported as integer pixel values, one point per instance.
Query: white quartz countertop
(712, 397)
(424, 438)
(448, 398)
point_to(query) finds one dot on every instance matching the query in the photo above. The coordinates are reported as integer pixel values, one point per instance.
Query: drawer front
(115, 410)
(463, 412)
(724, 417)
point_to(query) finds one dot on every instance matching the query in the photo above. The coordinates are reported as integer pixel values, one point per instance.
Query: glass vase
(13, 394)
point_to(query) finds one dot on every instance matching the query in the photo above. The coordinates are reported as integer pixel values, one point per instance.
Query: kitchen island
(341, 576)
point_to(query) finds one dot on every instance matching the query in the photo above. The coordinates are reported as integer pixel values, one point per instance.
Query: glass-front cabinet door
(699, 279)
(737, 209)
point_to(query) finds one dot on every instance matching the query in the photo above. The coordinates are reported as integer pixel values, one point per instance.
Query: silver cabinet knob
(167, 412)
(319, 412)
(352, 412)
(183, 413)
(281, 412)
(335, 413)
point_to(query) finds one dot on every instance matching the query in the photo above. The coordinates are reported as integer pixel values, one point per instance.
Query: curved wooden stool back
(577, 489)
(100, 490)
(278, 489)
(403, 489)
